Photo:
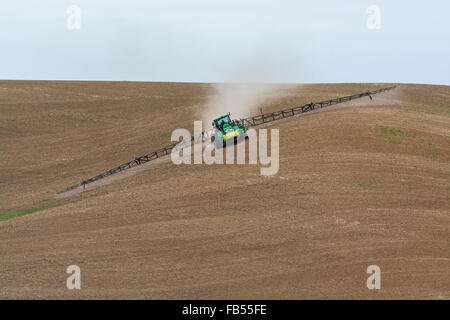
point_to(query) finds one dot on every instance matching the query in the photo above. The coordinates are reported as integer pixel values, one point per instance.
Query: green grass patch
(395, 135)
(12, 215)
(369, 186)
(362, 185)
(429, 108)
(400, 137)
(392, 131)
(438, 108)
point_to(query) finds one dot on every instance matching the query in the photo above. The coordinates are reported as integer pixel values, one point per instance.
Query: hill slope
(359, 184)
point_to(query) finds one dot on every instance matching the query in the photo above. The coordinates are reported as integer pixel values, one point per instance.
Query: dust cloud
(242, 97)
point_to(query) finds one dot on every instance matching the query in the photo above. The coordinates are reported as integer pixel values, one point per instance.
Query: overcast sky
(227, 40)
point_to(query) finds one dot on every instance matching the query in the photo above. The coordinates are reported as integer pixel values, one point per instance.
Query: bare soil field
(361, 183)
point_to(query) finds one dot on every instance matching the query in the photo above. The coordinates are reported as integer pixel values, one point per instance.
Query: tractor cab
(223, 123)
(227, 129)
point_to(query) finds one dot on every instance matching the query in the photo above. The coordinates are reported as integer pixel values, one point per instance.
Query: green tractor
(227, 130)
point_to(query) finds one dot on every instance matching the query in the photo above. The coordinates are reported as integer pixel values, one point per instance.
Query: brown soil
(362, 183)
